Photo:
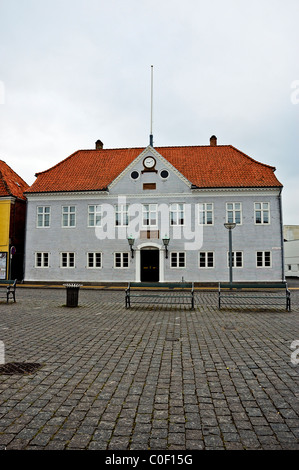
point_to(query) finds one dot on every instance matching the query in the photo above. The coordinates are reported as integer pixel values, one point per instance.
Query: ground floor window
(263, 259)
(178, 259)
(237, 259)
(206, 259)
(67, 260)
(41, 260)
(94, 260)
(121, 260)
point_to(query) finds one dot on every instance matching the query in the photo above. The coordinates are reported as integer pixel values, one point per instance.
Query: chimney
(213, 141)
(99, 145)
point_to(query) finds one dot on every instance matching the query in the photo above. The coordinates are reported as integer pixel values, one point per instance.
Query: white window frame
(234, 259)
(152, 209)
(206, 259)
(234, 211)
(68, 213)
(262, 210)
(121, 253)
(121, 211)
(177, 261)
(263, 259)
(44, 259)
(68, 259)
(94, 260)
(94, 218)
(43, 215)
(203, 212)
(177, 214)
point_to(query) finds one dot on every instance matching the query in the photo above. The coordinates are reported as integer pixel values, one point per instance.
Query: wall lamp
(131, 243)
(166, 240)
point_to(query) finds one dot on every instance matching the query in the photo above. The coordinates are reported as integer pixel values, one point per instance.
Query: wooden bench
(158, 292)
(10, 289)
(241, 292)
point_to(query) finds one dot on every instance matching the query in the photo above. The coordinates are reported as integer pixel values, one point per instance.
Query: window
(94, 260)
(206, 259)
(121, 215)
(237, 259)
(68, 216)
(234, 212)
(177, 214)
(121, 260)
(263, 259)
(178, 259)
(206, 214)
(67, 260)
(164, 174)
(41, 260)
(134, 175)
(149, 215)
(262, 213)
(94, 216)
(43, 216)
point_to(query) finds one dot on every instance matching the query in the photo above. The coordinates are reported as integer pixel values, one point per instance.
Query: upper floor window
(121, 215)
(94, 216)
(68, 216)
(177, 214)
(206, 214)
(43, 216)
(149, 215)
(234, 212)
(262, 213)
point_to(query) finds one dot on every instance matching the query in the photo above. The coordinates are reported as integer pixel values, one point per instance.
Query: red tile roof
(221, 166)
(11, 184)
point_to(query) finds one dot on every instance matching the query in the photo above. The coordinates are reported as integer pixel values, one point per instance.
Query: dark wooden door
(149, 265)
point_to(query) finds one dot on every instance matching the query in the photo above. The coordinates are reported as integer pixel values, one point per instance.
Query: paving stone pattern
(162, 378)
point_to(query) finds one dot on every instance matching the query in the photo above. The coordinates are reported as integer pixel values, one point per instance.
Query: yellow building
(12, 223)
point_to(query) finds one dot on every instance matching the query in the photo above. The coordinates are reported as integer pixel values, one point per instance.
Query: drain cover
(18, 368)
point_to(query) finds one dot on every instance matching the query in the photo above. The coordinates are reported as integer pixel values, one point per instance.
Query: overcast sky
(74, 71)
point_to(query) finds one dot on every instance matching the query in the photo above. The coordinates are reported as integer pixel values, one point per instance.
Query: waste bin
(72, 294)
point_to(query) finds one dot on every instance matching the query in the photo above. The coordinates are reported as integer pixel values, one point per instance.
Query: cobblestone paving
(164, 378)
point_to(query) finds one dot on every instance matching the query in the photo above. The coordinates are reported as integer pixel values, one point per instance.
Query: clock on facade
(149, 162)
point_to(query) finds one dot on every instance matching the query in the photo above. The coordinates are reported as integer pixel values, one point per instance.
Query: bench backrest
(254, 285)
(168, 285)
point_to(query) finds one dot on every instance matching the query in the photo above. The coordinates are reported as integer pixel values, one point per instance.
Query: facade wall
(5, 204)
(192, 238)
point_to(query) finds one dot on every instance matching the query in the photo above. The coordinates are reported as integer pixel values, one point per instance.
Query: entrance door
(149, 265)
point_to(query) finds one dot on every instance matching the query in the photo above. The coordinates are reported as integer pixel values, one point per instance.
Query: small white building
(291, 250)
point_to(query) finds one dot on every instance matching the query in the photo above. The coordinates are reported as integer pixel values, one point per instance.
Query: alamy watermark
(177, 221)
(2, 353)
(295, 93)
(295, 354)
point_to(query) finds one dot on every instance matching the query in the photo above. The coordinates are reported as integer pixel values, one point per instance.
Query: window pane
(125, 260)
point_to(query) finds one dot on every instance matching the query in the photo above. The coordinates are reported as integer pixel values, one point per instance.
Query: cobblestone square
(163, 378)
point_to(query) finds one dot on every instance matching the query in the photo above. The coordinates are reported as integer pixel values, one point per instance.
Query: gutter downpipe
(281, 235)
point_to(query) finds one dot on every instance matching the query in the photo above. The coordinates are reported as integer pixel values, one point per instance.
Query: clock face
(149, 162)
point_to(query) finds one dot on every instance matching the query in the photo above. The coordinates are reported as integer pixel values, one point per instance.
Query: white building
(291, 250)
(84, 211)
